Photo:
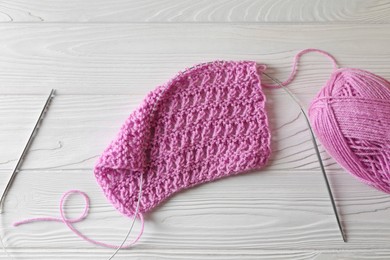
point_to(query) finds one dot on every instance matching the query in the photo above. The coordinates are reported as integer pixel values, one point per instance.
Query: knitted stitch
(208, 122)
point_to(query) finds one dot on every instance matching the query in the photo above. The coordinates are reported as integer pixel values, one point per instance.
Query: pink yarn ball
(351, 118)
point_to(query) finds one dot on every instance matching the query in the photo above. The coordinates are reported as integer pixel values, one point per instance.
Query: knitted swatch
(208, 122)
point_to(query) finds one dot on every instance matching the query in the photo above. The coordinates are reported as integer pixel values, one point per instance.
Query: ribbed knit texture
(208, 122)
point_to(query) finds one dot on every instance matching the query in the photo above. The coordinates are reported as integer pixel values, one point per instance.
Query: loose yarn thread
(68, 222)
(294, 68)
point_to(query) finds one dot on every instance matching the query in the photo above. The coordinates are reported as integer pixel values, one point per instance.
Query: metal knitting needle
(30, 139)
(317, 153)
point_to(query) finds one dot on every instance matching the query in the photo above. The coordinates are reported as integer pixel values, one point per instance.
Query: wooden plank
(227, 254)
(271, 210)
(135, 58)
(77, 129)
(269, 11)
(103, 58)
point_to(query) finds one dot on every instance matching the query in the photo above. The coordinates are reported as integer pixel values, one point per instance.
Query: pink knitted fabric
(208, 122)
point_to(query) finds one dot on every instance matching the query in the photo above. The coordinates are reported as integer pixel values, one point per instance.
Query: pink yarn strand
(295, 66)
(68, 222)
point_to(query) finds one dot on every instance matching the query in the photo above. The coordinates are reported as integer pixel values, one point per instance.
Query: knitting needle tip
(344, 238)
(30, 139)
(343, 233)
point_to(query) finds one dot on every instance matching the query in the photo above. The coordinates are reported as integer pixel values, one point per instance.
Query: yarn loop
(68, 222)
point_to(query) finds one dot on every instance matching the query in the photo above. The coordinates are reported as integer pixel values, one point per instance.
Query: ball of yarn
(351, 118)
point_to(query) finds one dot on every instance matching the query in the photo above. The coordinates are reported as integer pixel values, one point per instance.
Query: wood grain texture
(104, 56)
(135, 58)
(231, 254)
(265, 11)
(270, 210)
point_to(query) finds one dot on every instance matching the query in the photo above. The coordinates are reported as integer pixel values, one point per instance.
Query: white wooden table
(104, 56)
